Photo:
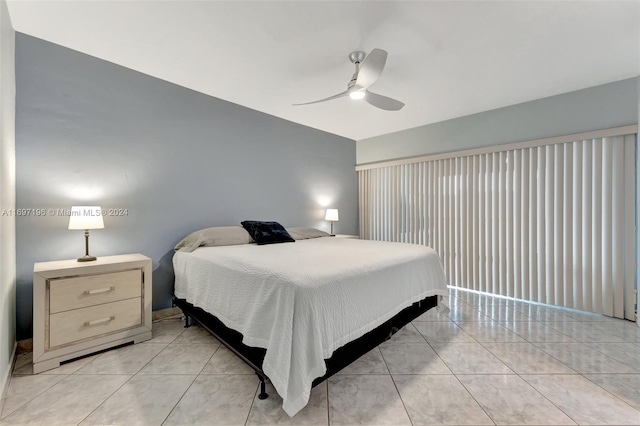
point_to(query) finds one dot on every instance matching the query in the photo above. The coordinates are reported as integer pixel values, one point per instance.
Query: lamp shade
(86, 217)
(332, 215)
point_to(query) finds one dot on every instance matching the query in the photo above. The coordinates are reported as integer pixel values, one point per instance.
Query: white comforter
(301, 301)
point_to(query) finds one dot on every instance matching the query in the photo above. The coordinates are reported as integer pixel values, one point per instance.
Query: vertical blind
(551, 224)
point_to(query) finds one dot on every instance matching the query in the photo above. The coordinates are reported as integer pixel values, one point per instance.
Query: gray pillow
(212, 237)
(306, 233)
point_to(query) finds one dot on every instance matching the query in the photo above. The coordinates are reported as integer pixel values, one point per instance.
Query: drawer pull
(98, 321)
(99, 290)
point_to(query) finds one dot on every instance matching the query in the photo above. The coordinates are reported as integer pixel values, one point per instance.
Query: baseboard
(165, 313)
(5, 380)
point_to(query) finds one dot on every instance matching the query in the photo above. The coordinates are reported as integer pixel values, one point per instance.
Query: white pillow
(212, 237)
(306, 233)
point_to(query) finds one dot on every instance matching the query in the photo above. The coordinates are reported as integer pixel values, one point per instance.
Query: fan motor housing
(357, 56)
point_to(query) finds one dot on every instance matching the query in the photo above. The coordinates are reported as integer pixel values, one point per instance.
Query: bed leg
(263, 389)
(187, 321)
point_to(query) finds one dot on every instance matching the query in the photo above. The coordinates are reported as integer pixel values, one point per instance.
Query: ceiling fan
(368, 69)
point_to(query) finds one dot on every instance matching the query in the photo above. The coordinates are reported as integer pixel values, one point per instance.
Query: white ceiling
(446, 58)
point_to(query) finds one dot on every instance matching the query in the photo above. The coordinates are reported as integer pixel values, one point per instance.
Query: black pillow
(267, 232)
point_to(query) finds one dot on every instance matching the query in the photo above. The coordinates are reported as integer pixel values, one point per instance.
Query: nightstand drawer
(90, 290)
(78, 324)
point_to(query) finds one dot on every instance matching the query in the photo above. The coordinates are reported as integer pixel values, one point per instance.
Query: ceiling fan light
(357, 94)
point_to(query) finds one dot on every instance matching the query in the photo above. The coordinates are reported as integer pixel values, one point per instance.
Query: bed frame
(342, 357)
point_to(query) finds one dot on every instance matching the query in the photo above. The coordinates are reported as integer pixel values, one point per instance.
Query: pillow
(306, 233)
(212, 237)
(267, 232)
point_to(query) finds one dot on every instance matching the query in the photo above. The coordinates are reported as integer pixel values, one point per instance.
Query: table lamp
(86, 217)
(332, 216)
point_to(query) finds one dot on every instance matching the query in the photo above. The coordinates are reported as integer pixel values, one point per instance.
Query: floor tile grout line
(503, 374)
(76, 373)
(616, 359)
(180, 344)
(474, 398)
(440, 358)
(174, 337)
(329, 404)
(396, 387)
(385, 361)
(551, 402)
(609, 392)
(152, 358)
(541, 323)
(66, 376)
(127, 381)
(581, 323)
(549, 310)
(494, 341)
(496, 357)
(210, 358)
(418, 331)
(480, 343)
(193, 381)
(537, 345)
(450, 341)
(253, 401)
(581, 343)
(106, 398)
(34, 396)
(179, 400)
(139, 370)
(394, 382)
(515, 372)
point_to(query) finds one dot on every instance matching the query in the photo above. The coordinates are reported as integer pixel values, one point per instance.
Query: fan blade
(383, 102)
(371, 68)
(339, 95)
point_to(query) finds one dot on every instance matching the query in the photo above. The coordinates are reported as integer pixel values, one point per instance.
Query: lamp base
(86, 258)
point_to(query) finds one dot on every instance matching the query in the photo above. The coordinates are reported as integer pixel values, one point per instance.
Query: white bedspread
(301, 301)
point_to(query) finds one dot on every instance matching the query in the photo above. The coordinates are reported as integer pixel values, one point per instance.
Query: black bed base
(341, 358)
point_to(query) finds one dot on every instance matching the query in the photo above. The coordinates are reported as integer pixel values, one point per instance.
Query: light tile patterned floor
(490, 361)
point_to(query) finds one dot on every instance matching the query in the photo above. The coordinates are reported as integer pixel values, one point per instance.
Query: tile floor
(489, 361)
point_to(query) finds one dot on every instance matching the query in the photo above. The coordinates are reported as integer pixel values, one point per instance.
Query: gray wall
(91, 132)
(600, 107)
(7, 194)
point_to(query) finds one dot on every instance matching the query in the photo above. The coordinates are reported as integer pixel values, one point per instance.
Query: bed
(298, 312)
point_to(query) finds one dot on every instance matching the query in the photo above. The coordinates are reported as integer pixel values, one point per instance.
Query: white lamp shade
(332, 215)
(86, 217)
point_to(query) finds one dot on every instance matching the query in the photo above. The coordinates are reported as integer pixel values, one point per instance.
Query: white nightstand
(353, 237)
(85, 307)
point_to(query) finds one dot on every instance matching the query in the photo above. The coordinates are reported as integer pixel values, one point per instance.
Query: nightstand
(353, 237)
(84, 307)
